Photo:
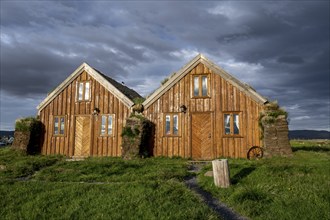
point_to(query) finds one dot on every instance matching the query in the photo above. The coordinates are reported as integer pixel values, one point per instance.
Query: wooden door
(201, 136)
(82, 136)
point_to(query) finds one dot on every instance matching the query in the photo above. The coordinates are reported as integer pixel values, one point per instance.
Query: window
(231, 124)
(83, 91)
(106, 125)
(172, 124)
(59, 125)
(201, 86)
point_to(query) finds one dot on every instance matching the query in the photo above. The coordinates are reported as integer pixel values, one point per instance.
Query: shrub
(29, 124)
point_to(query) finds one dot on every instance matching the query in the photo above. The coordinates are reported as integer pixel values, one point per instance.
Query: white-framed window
(172, 125)
(84, 91)
(107, 125)
(59, 125)
(201, 86)
(232, 123)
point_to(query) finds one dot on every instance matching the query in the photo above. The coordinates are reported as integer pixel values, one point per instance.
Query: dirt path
(221, 209)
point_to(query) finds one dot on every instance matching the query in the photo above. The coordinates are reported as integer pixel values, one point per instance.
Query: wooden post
(221, 173)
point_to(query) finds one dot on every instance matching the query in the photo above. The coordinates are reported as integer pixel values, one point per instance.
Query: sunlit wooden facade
(84, 116)
(202, 112)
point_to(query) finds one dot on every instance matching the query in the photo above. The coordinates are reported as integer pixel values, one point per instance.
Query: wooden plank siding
(223, 97)
(66, 104)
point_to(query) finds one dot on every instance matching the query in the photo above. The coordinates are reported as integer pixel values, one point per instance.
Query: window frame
(232, 124)
(171, 116)
(200, 86)
(59, 117)
(84, 91)
(106, 133)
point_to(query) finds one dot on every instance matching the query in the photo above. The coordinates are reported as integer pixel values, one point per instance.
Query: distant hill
(309, 134)
(7, 133)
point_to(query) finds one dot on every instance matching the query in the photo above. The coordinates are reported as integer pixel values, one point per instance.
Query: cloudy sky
(281, 48)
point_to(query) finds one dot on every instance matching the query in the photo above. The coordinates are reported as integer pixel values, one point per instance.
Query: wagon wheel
(255, 152)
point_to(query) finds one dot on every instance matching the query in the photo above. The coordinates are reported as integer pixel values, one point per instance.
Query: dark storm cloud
(279, 47)
(290, 59)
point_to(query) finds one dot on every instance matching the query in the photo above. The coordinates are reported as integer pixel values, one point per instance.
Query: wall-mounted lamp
(96, 111)
(183, 108)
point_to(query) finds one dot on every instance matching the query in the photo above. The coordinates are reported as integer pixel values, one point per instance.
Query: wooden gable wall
(223, 97)
(66, 104)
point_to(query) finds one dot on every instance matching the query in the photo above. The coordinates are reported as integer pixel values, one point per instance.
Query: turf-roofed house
(200, 112)
(85, 115)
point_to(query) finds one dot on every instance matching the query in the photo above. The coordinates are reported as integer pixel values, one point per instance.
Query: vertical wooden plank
(106, 102)
(170, 146)
(119, 127)
(45, 119)
(105, 146)
(249, 115)
(199, 105)
(117, 111)
(187, 115)
(165, 147)
(50, 125)
(243, 125)
(171, 99)
(72, 118)
(224, 95)
(218, 114)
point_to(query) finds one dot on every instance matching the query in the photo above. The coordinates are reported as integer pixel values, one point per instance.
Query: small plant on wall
(138, 107)
(268, 116)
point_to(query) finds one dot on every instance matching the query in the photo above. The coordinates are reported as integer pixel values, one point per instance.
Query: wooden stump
(221, 173)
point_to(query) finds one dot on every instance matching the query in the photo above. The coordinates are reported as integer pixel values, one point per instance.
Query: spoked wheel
(255, 153)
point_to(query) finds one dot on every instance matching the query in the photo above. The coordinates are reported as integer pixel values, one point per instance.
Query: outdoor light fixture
(183, 108)
(96, 111)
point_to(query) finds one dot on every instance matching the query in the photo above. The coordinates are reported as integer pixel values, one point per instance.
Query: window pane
(62, 125)
(103, 124)
(175, 125)
(196, 86)
(87, 91)
(236, 124)
(227, 123)
(168, 124)
(110, 124)
(80, 91)
(204, 85)
(56, 125)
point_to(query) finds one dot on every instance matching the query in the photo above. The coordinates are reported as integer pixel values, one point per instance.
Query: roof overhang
(99, 78)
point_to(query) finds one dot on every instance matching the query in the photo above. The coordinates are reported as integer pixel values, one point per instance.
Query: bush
(29, 124)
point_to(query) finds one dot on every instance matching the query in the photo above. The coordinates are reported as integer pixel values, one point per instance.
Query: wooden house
(85, 114)
(203, 112)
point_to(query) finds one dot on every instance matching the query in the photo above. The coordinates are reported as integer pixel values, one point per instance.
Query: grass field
(97, 188)
(279, 188)
(153, 188)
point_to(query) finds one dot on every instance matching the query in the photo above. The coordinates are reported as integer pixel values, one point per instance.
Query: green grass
(115, 170)
(15, 163)
(97, 188)
(279, 188)
(46, 200)
(153, 188)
